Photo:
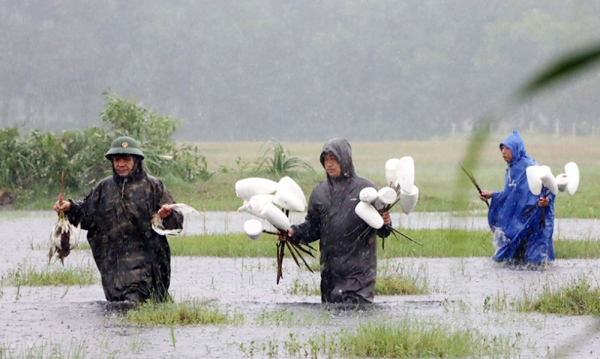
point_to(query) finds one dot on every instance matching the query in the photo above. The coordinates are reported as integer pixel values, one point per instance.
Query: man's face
(123, 164)
(507, 154)
(332, 166)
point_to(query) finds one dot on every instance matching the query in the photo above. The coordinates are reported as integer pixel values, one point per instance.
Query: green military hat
(124, 146)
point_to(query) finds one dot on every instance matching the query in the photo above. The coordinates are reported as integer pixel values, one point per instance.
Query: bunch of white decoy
(273, 201)
(400, 177)
(262, 197)
(541, 176)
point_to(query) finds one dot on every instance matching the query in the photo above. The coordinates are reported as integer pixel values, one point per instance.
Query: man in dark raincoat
(521, 222)
(133, 260)
(348, 245)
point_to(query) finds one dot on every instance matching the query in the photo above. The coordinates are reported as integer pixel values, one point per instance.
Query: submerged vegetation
(391, 280)
(286, 318)
(576, 298)
(400, 280)
(27, 275)
(186, 312)
(405, 338)
(443, 243)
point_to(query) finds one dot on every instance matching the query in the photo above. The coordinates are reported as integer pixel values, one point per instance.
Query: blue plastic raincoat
(522, 230)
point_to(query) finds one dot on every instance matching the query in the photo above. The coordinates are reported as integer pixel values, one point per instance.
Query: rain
(222, 90)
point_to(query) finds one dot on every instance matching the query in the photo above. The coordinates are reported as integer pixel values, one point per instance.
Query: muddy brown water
(67, 319)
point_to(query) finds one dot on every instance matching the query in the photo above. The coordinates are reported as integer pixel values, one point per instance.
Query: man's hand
(65, 206)
(543, 202)
(164, 211)
(387, 219)
(485, 195)
(284, 236)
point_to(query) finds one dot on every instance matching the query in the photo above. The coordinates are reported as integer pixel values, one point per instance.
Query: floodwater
(67, 319)
(232, 222)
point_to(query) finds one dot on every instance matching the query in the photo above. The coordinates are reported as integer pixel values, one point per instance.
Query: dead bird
(157, 223)
(63, 239)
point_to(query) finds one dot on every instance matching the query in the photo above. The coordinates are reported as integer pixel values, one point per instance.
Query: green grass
(400, 280)
(391, 280)
(576, 298)
(436, 165)
(404, 338)
(187, 312)
(437, 243)
(76, 349)
(412, 339)
(53, 275)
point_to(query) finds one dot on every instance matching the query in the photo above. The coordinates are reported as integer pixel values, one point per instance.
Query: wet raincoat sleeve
(81, 212)
(384, 231)
(175, 219)
(309, 231)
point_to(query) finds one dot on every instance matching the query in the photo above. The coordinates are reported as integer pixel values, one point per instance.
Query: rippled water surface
(65, 318)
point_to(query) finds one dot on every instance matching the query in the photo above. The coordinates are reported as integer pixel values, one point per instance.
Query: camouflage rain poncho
(134, 261)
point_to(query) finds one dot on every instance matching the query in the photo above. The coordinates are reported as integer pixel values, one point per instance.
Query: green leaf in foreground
(464, 190)
(565, 66)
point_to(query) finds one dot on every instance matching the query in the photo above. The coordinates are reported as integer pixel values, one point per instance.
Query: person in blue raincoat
(521, 222)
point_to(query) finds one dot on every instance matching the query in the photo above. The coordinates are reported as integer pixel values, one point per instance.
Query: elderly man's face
(507, 154)
(123, 165)
(332, 166)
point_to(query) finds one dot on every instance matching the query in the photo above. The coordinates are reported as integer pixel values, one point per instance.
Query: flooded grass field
(263, 319)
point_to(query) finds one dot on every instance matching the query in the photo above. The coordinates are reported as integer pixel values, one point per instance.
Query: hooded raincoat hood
(342, 151)
(348, 245)
(520, 229)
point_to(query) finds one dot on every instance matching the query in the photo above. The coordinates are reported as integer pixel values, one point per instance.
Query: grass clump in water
(577, 298)
(26, 275)
(410, 339)
(75, 349)
(187, 312)
(385, 339)
(399, 280)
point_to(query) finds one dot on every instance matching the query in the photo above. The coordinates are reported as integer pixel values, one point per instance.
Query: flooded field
(32, 222)
(76, 321)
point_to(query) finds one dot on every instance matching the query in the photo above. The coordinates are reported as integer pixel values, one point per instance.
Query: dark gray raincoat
(133, 260)
(348, 245)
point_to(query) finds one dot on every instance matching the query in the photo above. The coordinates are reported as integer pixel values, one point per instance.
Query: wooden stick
(472, 178)
(62, 188)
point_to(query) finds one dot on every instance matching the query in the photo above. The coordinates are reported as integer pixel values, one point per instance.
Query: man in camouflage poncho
(348, 245)
(133, 260)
